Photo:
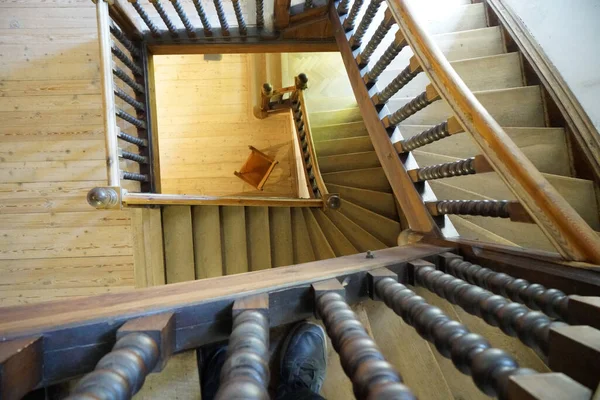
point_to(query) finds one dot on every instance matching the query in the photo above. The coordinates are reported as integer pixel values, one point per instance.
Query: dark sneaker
(212, 364)
(303, 359)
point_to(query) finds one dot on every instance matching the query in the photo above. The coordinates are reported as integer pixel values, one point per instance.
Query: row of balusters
(372, 69)
(207, 28)
(301, 128)
(496, 373)
(131, 59)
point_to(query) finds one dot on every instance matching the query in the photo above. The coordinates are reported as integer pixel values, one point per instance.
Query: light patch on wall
(213, 57)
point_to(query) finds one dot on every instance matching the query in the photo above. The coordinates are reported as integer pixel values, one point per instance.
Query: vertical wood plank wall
(52, 243)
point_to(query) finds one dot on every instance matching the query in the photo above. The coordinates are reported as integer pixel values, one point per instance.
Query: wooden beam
(282, 13)
(20, 367)
(411, 203)
(78, 332)
(145, 199)
(243, 48)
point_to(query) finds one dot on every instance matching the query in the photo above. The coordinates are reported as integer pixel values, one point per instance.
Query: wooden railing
(116, 340)
(566, 230)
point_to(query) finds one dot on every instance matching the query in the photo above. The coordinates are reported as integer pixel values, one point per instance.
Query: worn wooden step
(344, 116)
(258, 237)
(501, 71)
(303, 250)
(233, 239)
(520, 107)
(455, 46)
(179, 247)
(438, 20)
(282, 250)
(383, 228)
(546, 148)
(360, 239)
(370, 179)
(338, 131)
(469, 230)
(318, 240)
(208, 256)
(338, 242)
(580, 193)
(335, 147)
(379, 202)
(346, 162)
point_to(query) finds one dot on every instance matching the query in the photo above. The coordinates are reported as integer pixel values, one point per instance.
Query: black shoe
(303, 359)
(213, 361)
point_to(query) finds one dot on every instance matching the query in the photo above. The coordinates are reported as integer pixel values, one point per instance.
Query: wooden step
(469, 230)
(208, 256)
(339, 131)
(438, 20)
(147, 240)
(360, 239)
(383, 228)
(282, 250)
(259, 240)
(370, 179)
(233, 237)
(344, 116)
(318, 240)
(344, 146)
(339, 243)
(546, 148)
(455, 46)
(303, 250)
(347, 162)
(520, 107)
(379, 202)
(179, 247)
(580, 193)
(501, 71)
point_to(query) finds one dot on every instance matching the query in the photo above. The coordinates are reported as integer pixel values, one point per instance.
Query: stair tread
(234, 239)
(580, 193)
(324, 118)
(303, 250)
(282, 249)
(259, 241)
(369, 178)
(381, 203)
(499, 71)
(546, 148)
(208, 256)
(179, 247)
(333, 147)
(336, 239)
(339, 131)
(318, 240)
(383, 228)
(438, 20)
(520, 107)
(346, 162)
(469, 230)
(360, 239)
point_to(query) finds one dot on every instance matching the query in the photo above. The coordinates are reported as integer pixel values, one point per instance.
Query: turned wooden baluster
(184, 18)
(120, 54)
(433, 134)
(203, 18)
(132, 176)
(222, 18)
(131, 119)
(237, 8)
(371, 11)
(386, 58)
(164, 16)
(481, 208)
(495, 372)
(388, 21)
(349, 22)
(245, 373)
(132, 139)
(342, 8)
(413, 69)
(143, 346)
(128, 44)
(429, 96)
(260, 14)
(133, 156)
(138, 105)
(142, 13)
(127, 79)
(468, 166)
(372, 377)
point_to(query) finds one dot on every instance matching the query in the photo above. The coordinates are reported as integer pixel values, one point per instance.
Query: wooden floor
(53, 244)
(205, 125)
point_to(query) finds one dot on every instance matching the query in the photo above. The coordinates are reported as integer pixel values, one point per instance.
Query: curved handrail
(567, 231)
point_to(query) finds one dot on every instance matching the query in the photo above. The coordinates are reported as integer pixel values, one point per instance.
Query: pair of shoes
(302, 366)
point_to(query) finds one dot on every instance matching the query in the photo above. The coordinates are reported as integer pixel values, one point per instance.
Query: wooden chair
(257, 168)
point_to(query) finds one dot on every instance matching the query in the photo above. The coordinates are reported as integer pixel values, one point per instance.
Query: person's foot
(212, 363)
(303, 358)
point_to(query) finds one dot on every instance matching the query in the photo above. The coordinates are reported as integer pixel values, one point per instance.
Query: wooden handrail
(108, 100)
(311, 145)
(145, 199)
(568, 232)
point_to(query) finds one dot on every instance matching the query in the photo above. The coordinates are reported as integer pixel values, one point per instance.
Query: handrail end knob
(103, 197)
(333, 201)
